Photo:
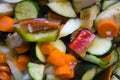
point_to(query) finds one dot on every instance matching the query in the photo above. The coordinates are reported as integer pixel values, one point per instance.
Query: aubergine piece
(81, 4)
(38, 30)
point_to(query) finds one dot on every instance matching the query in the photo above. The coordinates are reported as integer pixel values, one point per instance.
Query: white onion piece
(12, 1)
(16, 73)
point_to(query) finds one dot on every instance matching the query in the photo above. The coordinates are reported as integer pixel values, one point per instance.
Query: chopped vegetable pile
(59, 40)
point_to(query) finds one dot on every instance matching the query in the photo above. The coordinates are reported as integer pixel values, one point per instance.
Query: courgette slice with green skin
(96, 60)
(39, 54)
(26, 9)
(100, 47)
(114, 59)
(104, 75)
(118, 50)
(106, 3)
(103, 63)
(36, 71)
(117, 70)
(51, 77)
(85, 71)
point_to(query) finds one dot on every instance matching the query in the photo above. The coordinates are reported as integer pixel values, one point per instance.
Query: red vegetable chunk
(81, 42)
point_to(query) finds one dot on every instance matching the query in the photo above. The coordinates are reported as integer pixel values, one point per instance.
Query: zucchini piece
(103, 63)
(107, 3)
(96, 60)
(70, 26)
(111, 13)
(104, 75)
(26, 9)
(39, 54)
(36, 71)
(62, 8)
(114, 59)
(100, 46)
(118, 50)
(59, 44)
(51, 77)
(117, 70)
(12, 1)
(85, 71)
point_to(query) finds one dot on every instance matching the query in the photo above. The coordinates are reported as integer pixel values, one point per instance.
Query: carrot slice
(5, 69)
(56, 58)
(46, 48)
(108, 73)
(23, 59)
(64, 72)
(3, 58)
(23, 48)
(70, 59)
(108, 28)
(21, 62)
(6, 24)
(4, 76)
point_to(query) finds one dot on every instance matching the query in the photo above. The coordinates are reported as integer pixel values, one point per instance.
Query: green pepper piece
(42, 30)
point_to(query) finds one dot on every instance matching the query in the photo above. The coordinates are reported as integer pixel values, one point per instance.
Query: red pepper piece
(81, 42)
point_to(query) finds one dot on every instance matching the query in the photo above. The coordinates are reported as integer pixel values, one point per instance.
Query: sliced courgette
(111, 13)
(103, 63)
(12, 1)
(100, 46)
(104, 75)
(107, 3)
(51, 77)
(39, 54)
(118, 50)
(26, 9)
(114, 59)
(117, 70)
(85, 71)
(96, 60)
(36, 71)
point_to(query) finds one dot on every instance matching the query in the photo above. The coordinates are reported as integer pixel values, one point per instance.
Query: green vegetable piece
(38, 30)
(26, 9)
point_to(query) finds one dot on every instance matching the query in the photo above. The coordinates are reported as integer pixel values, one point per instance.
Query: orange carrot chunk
(3, 58)
(108, 28)
(6, 24)
(23, 48)
(4, 76)
(108, 73)
(21, 62)
(64, 72)
(70, 59)
(5, 69)
(46, 48)
(56, 58)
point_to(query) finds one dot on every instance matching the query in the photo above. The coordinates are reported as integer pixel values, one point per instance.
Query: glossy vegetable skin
(82, 41)
(38, 30)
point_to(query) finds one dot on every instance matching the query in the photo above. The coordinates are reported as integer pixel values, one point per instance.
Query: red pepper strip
(81, 42)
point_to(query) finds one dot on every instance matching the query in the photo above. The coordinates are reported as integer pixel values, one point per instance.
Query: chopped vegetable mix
(59, 40)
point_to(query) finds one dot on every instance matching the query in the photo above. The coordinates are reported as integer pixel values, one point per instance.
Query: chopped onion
(16, 73)
(14, 40)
